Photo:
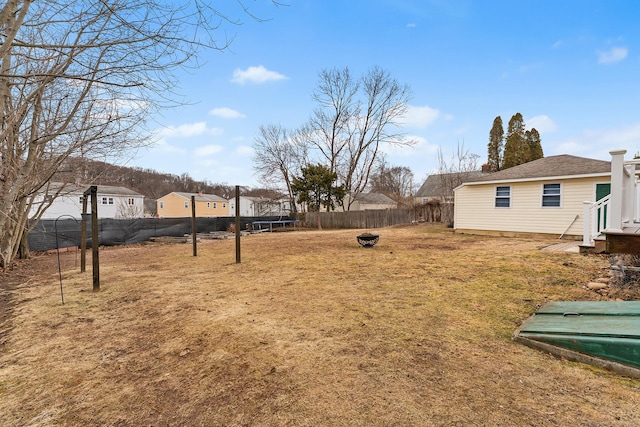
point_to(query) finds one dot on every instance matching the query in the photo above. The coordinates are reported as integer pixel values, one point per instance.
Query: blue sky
(571, 68)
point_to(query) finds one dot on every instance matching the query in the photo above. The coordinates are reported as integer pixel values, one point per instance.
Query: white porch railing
(596, 219)
(620, 211)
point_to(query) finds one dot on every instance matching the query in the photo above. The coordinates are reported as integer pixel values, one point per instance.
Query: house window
(104, 200)
(208, 205)
(131, 201)
(81, 198)
(503, 196)
(215, 205)
(110, 200)
(551, 195)
(161, 205)
(186, 205)
(224, 205)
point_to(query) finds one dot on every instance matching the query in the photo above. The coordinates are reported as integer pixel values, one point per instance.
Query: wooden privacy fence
(373, 218)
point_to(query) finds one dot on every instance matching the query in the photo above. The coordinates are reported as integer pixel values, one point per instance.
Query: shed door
(602, 190)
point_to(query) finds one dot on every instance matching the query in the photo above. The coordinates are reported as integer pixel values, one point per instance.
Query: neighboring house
(543, 196)
(367, 201)
(439, 187)
(178, 205)
(260, 206)
(113, 202)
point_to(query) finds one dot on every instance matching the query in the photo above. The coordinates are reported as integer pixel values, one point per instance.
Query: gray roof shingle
(433, 185)
(201, 197)
(111, 190)
(552, 166)
(374, 198)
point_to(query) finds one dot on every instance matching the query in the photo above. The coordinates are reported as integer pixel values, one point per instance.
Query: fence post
(194, 225)
(238, 258)
(95, 242)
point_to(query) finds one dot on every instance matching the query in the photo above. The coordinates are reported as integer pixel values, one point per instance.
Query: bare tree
(129, 210)
(393, 181)
(353, 119)
(278, 156)
(452, 173)
(81, 78)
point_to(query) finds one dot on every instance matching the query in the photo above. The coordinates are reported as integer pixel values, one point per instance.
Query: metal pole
(95, 243)
(83, 236)
(238, 224)
(55, 227)
(194, 225)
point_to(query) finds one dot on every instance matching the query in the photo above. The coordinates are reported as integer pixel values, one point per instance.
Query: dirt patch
(310, 329)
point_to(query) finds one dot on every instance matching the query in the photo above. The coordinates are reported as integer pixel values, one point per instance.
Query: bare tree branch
(82, 77)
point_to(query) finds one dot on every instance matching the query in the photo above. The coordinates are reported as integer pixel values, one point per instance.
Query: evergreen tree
(533, 142)
(315, 187)
(516, 150)
(494, 148)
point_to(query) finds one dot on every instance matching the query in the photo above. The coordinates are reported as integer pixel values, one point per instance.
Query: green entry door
(602, 190)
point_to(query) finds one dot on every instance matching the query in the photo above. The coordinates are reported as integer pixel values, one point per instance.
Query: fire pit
(367, 240)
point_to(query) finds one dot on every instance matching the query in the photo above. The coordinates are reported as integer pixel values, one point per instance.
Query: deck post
(586, 226)
(629, 186)
(617, 190)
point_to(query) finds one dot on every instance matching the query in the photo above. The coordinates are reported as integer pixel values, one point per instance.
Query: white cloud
(411, 25)
(257, 74)
(542, 123)
(226, 113)
(163, 146)
(615, 54)
(189, 129)
(596, 144)
(419, 148)
(208, 150)
(420, 116)
(244, 150)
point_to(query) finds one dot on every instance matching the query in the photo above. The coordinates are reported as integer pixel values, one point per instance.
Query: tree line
(148, 182)
(354, 117)
(514, 148)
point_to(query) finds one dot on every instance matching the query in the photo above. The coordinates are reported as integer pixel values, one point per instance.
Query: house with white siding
(545, 196)
(59, 199)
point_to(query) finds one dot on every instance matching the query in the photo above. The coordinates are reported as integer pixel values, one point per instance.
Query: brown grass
(309, 330)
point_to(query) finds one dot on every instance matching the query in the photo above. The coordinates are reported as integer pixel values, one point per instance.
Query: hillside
(150, 183)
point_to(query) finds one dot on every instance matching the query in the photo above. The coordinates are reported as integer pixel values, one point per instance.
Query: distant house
(367, 201)
(439, 187)
(113, 201)
(260, 206)
(543, 196)
(178, 205)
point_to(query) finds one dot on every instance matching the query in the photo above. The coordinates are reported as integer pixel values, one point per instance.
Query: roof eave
(542, 178)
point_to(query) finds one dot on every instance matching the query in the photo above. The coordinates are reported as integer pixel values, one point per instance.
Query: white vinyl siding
(475, 207)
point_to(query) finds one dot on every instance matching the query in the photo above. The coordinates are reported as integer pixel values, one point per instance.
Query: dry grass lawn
(309, 330)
